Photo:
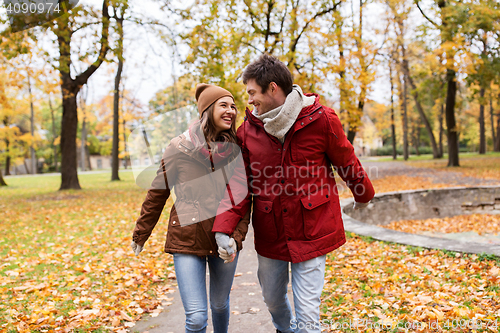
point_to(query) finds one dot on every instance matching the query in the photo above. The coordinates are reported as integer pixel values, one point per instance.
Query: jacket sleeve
(341, 153)
(228, 215)
(156, 197)
(241, 230)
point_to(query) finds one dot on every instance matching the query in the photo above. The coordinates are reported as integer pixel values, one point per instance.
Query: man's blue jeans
(307, 284)
(190, 271)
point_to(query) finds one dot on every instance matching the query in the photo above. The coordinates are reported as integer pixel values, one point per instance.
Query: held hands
(136, 247)
(360, 205)
(227, 247)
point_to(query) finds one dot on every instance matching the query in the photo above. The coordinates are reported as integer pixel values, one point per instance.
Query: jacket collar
(187, 147)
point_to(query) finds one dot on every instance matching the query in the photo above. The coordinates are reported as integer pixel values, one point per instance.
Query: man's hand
(227, 247)
(360, 205)
(136, 247)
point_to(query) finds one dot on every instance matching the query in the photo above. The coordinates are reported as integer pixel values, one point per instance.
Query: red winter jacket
(296, 211)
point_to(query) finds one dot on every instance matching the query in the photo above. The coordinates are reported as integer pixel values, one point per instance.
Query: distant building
(25, 168)
(99, 162)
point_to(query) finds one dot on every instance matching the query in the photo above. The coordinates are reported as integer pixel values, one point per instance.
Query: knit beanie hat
(208, 94)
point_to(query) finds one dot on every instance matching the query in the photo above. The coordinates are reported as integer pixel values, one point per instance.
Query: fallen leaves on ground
(66, 261)
(368, 282)
(479, 223)
(485, 167)
(67, 265)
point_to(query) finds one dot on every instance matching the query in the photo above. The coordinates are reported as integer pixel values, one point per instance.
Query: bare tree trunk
(393, 126)
(83, 135)
(126, 158)
(404, 116)
(83, 141)
(451, 90)
(2, 181)
(54, 134)
(441, 113)
(342, 85)
(32, 131)
(492, 116)
(351, 134)
(7, 160)
(406, 67)
(451, 125)
(116, 101)
(87, 157)
(69, 175)
(26, 166)
(482, 129)
(416, 141)
(497, 141)
(5, 122)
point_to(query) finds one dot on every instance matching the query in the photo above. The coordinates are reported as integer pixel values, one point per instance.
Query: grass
(65, 256)
(471, 164)
(428, 157)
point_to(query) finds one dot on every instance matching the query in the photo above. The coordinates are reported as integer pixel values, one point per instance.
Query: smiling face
(264, 102)
(224, 114)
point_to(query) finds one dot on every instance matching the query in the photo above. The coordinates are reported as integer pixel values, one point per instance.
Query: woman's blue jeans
(190, 271)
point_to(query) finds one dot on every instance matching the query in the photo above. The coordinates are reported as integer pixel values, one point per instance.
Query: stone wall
(424, 204)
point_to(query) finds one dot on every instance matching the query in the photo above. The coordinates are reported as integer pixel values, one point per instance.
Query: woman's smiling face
(224, 114)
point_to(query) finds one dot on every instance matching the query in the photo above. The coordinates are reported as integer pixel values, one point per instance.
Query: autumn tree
(451, 15)
(65, 28)
(393, 125)
(4, 137)
(119, 8)
(15, 137)
(479, 31)
(400, 12)
(365, 60)
(497, 134)
(236, 32)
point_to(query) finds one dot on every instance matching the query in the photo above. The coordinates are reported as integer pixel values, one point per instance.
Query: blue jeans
(307, 284)
(190, 271)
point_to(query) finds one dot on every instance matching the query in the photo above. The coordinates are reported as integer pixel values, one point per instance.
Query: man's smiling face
(263, 102)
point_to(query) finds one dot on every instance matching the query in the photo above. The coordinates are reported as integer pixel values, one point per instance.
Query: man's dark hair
(269, 69)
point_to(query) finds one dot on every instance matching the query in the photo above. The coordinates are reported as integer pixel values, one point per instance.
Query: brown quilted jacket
(197, 196)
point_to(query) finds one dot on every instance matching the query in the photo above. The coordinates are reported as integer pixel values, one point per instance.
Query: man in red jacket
(289, 143)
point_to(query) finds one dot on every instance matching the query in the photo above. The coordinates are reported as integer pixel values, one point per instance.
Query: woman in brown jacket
(198, 164)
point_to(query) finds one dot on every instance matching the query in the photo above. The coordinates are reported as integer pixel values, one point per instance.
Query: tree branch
(82, 78)
(318, 14)
(253, 17)
(270, 5)
(428, 19)
(84, 25)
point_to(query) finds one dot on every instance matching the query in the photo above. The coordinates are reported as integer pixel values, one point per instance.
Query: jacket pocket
(318, 216)
(182, 234)
(263, 220)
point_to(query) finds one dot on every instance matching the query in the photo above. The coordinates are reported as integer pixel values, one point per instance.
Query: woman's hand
(227, 247)
(136, 247)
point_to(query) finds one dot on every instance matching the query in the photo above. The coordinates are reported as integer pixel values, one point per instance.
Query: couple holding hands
(288, 144)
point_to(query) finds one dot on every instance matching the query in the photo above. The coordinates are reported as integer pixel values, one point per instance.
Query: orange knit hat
(208, 94)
